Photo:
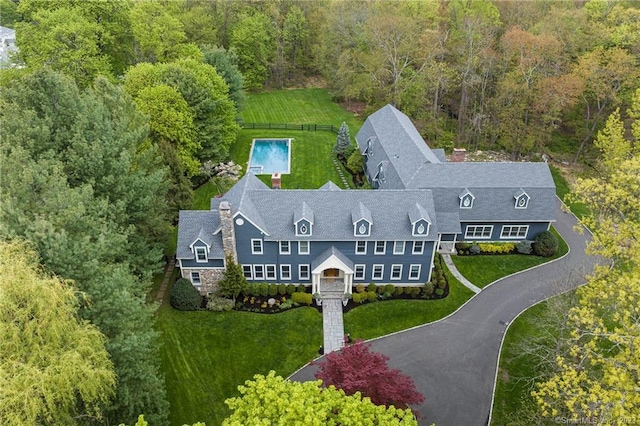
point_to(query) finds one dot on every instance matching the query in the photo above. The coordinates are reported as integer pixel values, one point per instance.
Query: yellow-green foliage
(302, 298)
(272, 400)
(497, 248)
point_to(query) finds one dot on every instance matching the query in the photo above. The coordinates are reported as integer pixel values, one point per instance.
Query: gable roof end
(361, 212)
(303, 212)
(417, 213)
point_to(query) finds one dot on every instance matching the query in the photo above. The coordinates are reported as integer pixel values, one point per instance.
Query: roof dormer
(303, 220)
(466, 199)
(522, 199)
(380, 174)
(362, 221)
(368, 150)
(420, 221)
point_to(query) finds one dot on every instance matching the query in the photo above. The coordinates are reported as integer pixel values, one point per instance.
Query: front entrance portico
(332, 272)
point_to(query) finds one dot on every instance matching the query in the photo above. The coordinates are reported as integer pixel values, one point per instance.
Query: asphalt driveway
(453, 361)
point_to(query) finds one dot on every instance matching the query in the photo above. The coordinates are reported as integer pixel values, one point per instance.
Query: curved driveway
(453, 361)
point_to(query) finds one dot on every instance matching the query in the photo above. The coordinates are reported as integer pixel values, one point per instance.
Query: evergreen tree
(343, 141)
(234, 281)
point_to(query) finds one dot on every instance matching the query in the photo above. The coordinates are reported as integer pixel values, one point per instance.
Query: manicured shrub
(357, 297)
(380, 289)
(301, 288)
(398, 291)
(264, 289)
(286, 304)
(360, 288)
(372, 287)
(302, 298)
(251, 290)
(273, 290)
(442, 283)
(439, 291)
(389, 288)
(524, 247)
(546, 244)
(184, 296)
(462, 247)
(496, 248)
(219, 304)
(474, 249)
(282, 289)
(428, 288)
(291, 288)
(372, 296)
(415, 291)
(406, 290)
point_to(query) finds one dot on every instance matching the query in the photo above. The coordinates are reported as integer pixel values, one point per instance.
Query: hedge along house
(507, 201)
(333, 239)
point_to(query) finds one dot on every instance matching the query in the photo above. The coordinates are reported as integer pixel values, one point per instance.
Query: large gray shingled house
(421, 203)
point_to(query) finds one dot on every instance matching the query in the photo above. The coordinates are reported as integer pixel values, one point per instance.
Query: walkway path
(340, 173)
(454, 271)
(332, 322)
(165, 281)
(454, 361)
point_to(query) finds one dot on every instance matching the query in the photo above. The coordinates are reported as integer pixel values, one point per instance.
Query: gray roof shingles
(194, 224)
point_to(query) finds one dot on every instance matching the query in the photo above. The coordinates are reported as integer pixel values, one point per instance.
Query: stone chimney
(228, 233)
(459, 155)
(276, 182)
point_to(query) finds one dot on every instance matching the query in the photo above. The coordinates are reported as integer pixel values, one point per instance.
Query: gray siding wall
(534, 229)
(271, 256)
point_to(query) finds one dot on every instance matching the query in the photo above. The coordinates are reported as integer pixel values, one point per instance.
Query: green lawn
(562, 189)
(483, 270)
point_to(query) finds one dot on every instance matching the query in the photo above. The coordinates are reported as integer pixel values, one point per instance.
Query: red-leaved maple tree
(356, 369)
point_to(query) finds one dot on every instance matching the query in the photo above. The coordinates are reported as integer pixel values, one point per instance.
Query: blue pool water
(270, 156)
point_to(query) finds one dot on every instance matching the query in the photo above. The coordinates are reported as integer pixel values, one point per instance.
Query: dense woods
(117, 104)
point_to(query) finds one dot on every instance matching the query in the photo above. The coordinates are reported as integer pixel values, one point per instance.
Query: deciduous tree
(252, 37)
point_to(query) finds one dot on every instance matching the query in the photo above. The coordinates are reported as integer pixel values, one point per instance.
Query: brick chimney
(459, 155)
(276, 182)
(228, 233)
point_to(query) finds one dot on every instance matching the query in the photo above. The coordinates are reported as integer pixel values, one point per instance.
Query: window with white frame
(258, 272)
(201, 254)
(378, 272)
(303, 247)
(396, 272)
(418, 247)
(478, 231)
(285, 247)
(271, 271)
(414, 272)
(195, 278)
(358, 272)
(381, 247)
(256, 246)
(285, 272)
(514, 231)
(361, 247)
(247, 272)
(303, 272)
(398, 247)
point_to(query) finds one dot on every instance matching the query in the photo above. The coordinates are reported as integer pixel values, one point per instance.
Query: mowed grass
(562, 189)
(483, 270)
(206, 355)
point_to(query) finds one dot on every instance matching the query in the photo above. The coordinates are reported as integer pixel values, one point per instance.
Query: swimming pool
(270, 156)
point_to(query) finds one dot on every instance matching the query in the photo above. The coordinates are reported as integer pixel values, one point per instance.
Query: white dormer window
(522, 200)
(201, 254)
(369, 150)
(380, 177)
(303, 229)
(421, 228)
(466, 200)
(362, 228)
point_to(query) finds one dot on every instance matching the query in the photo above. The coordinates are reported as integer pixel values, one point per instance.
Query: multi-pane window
(285, 272)
(361, 247)
(414, 272)
(271, 271)
(510, 231)
(256, 246)
(418, 247)
(478, 231)
(380, 247)
(285, 247)
(195, 278)
(398, 247)
(201, 254)
(303, 247)
(358, 272)
(396, 272)
(258, 272)
(378, 271)
(303, 272)
(247, 272)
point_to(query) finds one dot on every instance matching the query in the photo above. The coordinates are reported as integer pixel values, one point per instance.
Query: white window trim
(399, 277)
(253, 250)
(306, 277)
(308, 248)
(305, 223)
(419, 271)
(511, 227)
(365, 248)
(282, 277)
(375, 248)
(199, 283)
(369, 148)
(467, 236)
(355, 271)
(421, 251)
(416, 226)
(288, 251)
(374, 276)
(266, 272)
(397, 244)
(526, 203)
(357, 225)
(255, 272)
(250, 277)
(470, 206)
(204, 252)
